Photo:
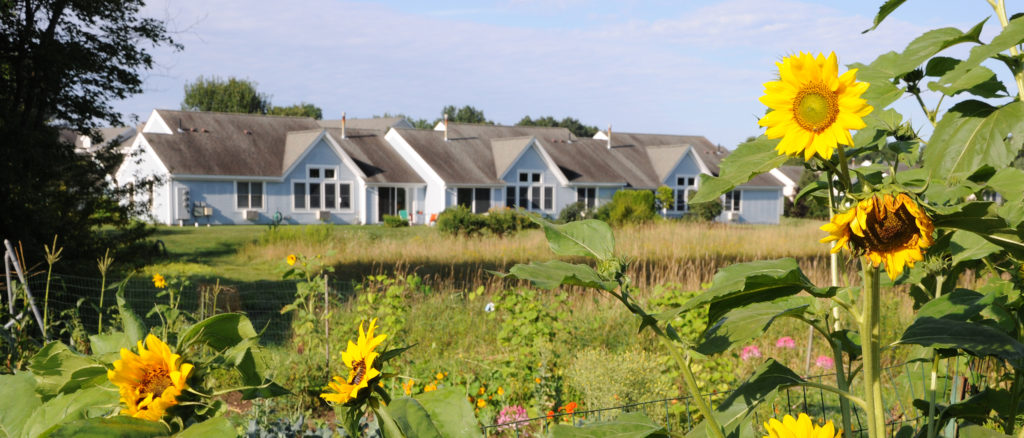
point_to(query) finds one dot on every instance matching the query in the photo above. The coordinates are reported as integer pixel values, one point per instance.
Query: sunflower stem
(714, 429)
(869, 333)
(844, 168)
(939, 279)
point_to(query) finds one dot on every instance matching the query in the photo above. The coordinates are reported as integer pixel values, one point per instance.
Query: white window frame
(677, 188)
(530, 185)
(322, 183)
(728, 201)
(263, 195)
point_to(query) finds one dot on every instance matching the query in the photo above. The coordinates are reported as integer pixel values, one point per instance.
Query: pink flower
(825, 362)
(749, 352)
(512, 417)
(785, 342)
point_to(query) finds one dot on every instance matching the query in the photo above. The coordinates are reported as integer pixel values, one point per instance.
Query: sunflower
(890, 228)
(151, 381)
(359, 358)
(290, 259)
(159, 281)
(813, 110)
(801, 427)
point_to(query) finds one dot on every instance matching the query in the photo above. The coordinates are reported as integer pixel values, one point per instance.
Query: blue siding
(321, 154)
(686, 167)
(760, 206)
(531, 161)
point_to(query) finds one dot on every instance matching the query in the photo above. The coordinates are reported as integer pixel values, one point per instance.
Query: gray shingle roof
(375, 123)
(463, 159)
(207, 143)
(591, 161)
(375, 156)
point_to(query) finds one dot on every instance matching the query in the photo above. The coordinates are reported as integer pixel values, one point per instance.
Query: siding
(760, 205)
(688, 167)
(531, 161)
(142, 163)
(320, 154)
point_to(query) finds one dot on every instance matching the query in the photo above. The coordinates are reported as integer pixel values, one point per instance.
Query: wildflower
(802, 427)
(570, 408)
(501, 391)
(537, 380)
(511, 416)
(785, 342)
(883, 227)
(482, 390)
(439, 376)
(489, 307)
(359, 358)
(291, 259)
(430, 387)
(813, 110)
(159, 281)
(408, 386)
(151, 381)
(825, 362)
(551, 415)
(481, 402)
(750, 351)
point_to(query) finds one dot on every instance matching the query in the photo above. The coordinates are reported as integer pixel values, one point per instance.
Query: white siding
(433, 199)
(142, 163)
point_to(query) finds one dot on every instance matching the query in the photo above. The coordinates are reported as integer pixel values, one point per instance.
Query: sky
(658, 66)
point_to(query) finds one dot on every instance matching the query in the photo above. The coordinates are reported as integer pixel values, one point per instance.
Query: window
(389, 201)
(249, 195)
(328, 173)
(588, 196)
(732, 201)
(314, 172)
(345, 196)
(477, 200)
(684, 184)
(530, 193)
(329, 196)
(299, 195)
(320, 190)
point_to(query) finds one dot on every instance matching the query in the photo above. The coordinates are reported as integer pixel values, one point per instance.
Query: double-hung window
(732, 201)
(249, 195)
(530, 192)
(684, 184)
(321, 190)
(588, 196)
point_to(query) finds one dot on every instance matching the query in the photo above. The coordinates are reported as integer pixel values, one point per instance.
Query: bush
(706, 211)
(502, 221)
(638, 376)
(395, 221)
(631, 207)
(573, 212)
(459, 220)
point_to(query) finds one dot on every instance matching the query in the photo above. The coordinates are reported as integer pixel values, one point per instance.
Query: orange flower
(481, 402)
(482, 390)
(537, 379)
(570, 408)
(430, 387)
(291, 259)
(551, 415)
(407, 386)
(439, 376)
(501, 391)
(159, 281)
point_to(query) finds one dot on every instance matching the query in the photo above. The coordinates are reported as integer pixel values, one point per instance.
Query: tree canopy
(574, 125)
(235, 95)
(466, 114)
(61, 65)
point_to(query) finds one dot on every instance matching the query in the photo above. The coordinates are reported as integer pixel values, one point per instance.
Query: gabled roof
(506, 151)
(375, 123)
(462, 159)
(588, 160)
(457, 130)
(209, 143)
(379, 161)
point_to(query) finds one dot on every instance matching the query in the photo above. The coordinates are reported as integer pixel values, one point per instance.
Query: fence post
(327, 327)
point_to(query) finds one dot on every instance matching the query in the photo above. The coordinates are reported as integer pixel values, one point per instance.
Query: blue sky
(678, 67)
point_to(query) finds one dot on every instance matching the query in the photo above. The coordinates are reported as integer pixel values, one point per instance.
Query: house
(219, 168)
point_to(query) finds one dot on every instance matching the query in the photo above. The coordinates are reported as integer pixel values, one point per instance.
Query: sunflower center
(154, 381)
(358, 372)
(815, 107)
(888, 230)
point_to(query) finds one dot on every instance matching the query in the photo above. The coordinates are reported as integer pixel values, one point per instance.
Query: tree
(578, 129)
(416, 123)
(466, 114)
(61, 64)
(230, 96)
(298, 110)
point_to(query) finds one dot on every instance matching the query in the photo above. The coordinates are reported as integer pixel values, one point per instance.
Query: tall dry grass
(686, 253)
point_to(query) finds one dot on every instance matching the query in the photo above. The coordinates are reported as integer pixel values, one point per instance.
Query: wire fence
(902, 385)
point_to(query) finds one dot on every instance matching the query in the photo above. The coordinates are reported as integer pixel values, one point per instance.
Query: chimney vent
(446, 127)
(609, 136)
(342, 124)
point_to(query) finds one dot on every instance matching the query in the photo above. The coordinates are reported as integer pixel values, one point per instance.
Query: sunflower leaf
(883, 12)
(745, 283)
(219, 331)
(967, 246)
(971, 135)
(977, 339)
(121, 426)
(747, 161)
(589, 238)
(627, 425)
(979, 81)
(743, 324)
(735, 411)
(554, 273)
(441, 413)
(131, 324)
(1010, 36)
(214, 427)
(19, 401)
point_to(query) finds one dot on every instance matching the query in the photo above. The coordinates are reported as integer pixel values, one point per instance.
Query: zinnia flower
(290, 259)
(785, 342)
(570, 407)
(801, 427)
(750, 351)
(359, 358)
(159, 281)
(151, 381)
(825, 362)
(813, 110)
(510, 417)
(883, 227)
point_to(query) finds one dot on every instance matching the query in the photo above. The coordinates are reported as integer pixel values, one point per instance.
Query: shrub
(706, 211)
(502, 221)
(573, 212)
(459, 220)
(639, 376)
(631, 207)
(395, 221)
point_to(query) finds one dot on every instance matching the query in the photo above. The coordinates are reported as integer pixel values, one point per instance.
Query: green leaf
(960, 305)
(750, 322)
(214, 427)
(1011, 35)
(18, 403)
(626, 425)
(976, 431)
(131, 324)
(56, 367)
(971, 135)
(883, 12)
(979, 81)
(219, 331)
(1012, 212)
(109, 343)
(734, 413)
(968, 246)
(444, 412)
(1008, 182)
(752, 282)
(977, 339)
(554, 273)
(747, 161)
(118, 426)
(86, 403)
(590, 238)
